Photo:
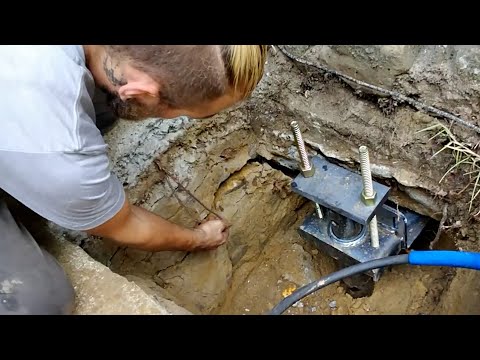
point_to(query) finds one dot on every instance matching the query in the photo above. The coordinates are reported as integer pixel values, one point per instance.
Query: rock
(332, 304)
(200, 281)
(448, 78)
(99, 291)
(298, 304)
(467, 62)
(305, 262)
(158, 293)
(381, 170)
(356, 305)
(342, 311)
(132, 144)
(376, 64)
(263, 152)
(156, 261)
(297, 50)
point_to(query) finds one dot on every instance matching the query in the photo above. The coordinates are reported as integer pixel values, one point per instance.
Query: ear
(137, 89)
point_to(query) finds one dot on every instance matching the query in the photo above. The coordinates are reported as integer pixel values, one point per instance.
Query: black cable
(334, 277)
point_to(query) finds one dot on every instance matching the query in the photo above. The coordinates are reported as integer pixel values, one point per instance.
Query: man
(53, 158)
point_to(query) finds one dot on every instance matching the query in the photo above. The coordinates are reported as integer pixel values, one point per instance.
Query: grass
(463, 155)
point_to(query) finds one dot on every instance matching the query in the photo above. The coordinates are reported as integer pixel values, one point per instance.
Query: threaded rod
(368, 191)
(366, 172)
(300, 145)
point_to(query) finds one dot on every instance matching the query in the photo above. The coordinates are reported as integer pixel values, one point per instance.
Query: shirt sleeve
(74, 190)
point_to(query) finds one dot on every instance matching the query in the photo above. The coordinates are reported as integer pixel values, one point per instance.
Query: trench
(265, 258)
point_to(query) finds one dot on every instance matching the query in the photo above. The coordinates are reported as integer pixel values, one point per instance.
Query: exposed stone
(99, 291)
(133, 145)
(165, 299)
(200, 281)
(376, 64)
(467, 61)
(448, 77)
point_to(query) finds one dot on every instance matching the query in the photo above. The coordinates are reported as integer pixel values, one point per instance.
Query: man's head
(167, 81)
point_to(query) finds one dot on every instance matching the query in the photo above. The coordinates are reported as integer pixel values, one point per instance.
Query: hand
(212, 234)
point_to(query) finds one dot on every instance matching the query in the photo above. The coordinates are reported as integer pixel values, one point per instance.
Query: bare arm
(136, 227)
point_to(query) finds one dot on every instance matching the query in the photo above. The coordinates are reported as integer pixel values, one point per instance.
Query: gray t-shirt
(53, 158)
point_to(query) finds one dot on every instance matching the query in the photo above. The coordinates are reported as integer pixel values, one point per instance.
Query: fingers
(210, 216)
(217, 232)
(225, 235)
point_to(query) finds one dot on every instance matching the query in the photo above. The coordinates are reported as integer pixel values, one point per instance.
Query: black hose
(334, 277)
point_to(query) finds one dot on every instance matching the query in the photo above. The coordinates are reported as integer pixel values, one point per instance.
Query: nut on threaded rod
(368, 194)
(305, 166)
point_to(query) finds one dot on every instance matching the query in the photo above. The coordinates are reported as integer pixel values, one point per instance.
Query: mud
(240, 163)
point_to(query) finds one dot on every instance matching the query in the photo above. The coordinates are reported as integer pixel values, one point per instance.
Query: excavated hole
(266, 259)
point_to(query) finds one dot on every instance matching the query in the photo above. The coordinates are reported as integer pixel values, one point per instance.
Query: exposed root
(441, 226)
(462, 154)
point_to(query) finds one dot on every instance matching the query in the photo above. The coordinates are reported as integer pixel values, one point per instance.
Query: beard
(130, 109)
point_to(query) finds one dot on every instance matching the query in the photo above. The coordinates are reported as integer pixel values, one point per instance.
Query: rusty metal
(179, 184)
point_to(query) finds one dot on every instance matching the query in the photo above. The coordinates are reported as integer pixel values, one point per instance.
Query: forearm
(151, 232)
(138, 228)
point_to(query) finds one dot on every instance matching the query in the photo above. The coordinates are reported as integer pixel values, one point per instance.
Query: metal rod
(368, 193)
(366, 172)
(374, 232)
(300, 145)
(190, 193)
(305, 166)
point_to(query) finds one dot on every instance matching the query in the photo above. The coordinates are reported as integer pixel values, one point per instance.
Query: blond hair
(192, 74)
(245, 66)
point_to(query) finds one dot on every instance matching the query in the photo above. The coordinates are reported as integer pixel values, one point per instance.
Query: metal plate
(339, 189)
(360, 251)
(391, 236)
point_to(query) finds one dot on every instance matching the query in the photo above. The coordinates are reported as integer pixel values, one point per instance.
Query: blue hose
(461, 259)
